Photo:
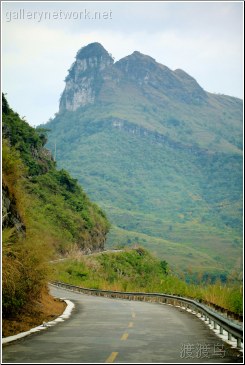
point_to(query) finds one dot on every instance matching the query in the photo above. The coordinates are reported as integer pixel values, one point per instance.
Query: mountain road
(103, 330)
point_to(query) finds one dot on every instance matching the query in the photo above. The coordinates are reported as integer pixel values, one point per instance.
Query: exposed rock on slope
(10, 215)
(84, 79)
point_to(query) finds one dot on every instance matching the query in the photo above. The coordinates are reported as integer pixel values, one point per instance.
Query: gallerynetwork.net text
(39, 16)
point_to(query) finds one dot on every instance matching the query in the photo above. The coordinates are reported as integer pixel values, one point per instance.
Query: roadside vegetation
(44, 213)
(137, 270)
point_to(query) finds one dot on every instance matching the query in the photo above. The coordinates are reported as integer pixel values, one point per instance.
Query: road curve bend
(103, 330)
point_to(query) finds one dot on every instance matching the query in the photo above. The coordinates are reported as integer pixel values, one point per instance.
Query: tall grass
(24, 254)
(139, 271)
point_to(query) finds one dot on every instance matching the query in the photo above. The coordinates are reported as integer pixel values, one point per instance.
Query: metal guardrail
(213, 318)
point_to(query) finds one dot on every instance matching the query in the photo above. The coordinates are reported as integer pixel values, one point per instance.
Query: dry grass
(45, 309)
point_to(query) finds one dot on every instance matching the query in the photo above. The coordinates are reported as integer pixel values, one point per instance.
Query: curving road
(102, 330)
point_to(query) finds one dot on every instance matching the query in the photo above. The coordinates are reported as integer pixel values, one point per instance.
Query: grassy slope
(44, 309)
(137, 270)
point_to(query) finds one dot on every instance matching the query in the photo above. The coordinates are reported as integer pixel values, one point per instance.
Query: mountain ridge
(146, 141)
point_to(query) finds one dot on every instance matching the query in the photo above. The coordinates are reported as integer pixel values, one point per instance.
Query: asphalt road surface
(103, 330)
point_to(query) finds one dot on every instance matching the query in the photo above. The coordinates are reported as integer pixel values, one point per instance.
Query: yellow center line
(130, 325)
(112, 357)
(124, 336)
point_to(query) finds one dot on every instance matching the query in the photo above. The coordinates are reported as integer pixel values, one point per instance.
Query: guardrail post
(215, 325)
(221, 330)
(229, 336)
(209, 320)
(239, 343)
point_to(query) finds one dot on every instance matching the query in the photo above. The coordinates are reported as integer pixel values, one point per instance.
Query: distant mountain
(161, 155)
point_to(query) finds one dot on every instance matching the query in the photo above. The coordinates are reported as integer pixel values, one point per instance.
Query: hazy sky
(41, 39)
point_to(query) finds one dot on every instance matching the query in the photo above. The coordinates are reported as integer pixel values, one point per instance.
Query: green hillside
(45, 212)
(162, 156)
(137, 270)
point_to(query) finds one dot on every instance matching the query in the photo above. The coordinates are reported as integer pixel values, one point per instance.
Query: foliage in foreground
(137, 270)
(45, 212)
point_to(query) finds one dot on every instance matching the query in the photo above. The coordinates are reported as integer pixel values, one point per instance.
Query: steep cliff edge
(84, 79)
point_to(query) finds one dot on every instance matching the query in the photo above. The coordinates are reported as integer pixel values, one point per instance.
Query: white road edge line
(224, 336)
(66, 314)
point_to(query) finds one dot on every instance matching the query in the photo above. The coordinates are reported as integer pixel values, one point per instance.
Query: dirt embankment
(45, 309)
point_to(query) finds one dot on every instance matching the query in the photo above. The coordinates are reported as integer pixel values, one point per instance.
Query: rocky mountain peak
(152, 76)
(93, 56)
(136, 64)
(138, 56)
(94, 66)
(84, 77)
(92, 50)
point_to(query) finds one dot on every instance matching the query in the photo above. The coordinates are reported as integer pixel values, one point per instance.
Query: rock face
(10, 215)
(85, 77)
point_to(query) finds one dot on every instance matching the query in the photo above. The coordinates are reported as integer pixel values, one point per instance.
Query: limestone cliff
(85, 77)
